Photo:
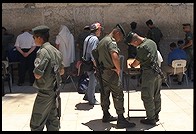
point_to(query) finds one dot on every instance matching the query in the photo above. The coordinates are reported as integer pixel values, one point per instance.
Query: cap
(122, 30)
(41, 29)
(86, 28)
(95, 26)
(149, 22)
(129, 37)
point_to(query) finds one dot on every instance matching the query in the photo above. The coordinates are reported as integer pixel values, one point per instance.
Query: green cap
(121, 29)
(40, 29)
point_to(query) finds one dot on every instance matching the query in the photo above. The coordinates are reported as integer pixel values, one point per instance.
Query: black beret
(149, 22)
(40, 29)
(121, 29)
(129, 37)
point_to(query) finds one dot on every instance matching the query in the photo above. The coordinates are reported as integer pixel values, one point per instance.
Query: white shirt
(25, 40)
(65, 40)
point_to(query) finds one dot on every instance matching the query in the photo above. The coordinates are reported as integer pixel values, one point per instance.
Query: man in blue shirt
(175, 54)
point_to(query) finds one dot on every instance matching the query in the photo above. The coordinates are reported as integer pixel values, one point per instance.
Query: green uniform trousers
(150, 92)
(45, 112)
(112, 84)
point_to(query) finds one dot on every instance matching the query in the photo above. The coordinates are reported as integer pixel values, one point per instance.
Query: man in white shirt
(25, 45)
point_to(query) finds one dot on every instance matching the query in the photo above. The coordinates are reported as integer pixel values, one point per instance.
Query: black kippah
(129, 37)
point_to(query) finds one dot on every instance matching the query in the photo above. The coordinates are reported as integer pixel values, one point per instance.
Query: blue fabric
(176, 54)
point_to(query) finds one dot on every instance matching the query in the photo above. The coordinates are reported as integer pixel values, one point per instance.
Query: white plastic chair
(179, 67)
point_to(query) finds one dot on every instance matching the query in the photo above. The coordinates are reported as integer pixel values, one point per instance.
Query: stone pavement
(176, 113)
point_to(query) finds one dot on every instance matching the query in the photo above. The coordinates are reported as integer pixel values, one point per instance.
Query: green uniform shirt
(46, 55)
(188, 37)
(146, 53)
(105, 46)
(155, 34)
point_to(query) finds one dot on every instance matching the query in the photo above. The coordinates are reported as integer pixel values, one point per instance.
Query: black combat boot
(123, 123)
(107, 117)
(148, 121)
(156, 117)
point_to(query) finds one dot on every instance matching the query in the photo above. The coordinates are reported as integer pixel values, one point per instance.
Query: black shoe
(123, 123)
(164, 84)
(148, 121)
(156, 118)
(109, 118)
(85, 98)
(95, 103)
(179, 83)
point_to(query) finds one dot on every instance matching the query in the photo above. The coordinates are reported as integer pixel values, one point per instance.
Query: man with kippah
(151, 80)
(44, 111)
(108, 52)
(90, 43)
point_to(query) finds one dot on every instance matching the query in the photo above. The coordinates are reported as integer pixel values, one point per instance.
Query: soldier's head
(149, 23)
(134, 39)
(96, 28)
(186, 27)
(41, 34)
(133, 25)
(172, 46)
(118, 33)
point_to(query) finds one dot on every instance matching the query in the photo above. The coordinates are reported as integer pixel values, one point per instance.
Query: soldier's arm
(116, 61)
(187, 45)
(135, 63)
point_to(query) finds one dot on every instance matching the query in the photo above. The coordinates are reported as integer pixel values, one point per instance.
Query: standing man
(150, 87)
(91, 43)
(26, 48)
(109, 57)
(188, 47)
(154, 33)
(45, 110)
(80, 40)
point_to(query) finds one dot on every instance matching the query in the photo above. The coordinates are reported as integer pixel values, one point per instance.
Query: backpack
(83, 83)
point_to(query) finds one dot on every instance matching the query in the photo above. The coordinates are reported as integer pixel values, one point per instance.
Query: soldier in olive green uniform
(188, 47)
(154, 33)
(151, 80)
(44, 109)
(109, 56)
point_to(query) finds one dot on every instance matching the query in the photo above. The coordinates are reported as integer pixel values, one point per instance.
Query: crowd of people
(39, 57)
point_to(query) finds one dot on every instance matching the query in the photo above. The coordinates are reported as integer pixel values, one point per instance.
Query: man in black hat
(48, 57)
(108, 52)
(151, 80)
(154, 33)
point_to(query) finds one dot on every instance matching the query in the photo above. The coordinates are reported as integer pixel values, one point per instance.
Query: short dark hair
(173, 45)
(133, 25)
(186, 24)
(180, 42)
(149, 22)
(3, 28)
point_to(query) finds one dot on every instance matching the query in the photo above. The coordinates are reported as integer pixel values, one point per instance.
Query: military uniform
(44, 109)
(189, 51)
(150, 86)
(111, 80)
(155, 34)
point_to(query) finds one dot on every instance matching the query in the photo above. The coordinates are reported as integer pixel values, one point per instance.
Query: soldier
(150, 86)
(44, 110)
(154, 33)
(188, 47)
(108, 52)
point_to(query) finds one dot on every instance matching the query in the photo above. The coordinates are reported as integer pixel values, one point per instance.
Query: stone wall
(169, 17)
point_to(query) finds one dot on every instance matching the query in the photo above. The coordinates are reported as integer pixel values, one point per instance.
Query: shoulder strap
(86, 47)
